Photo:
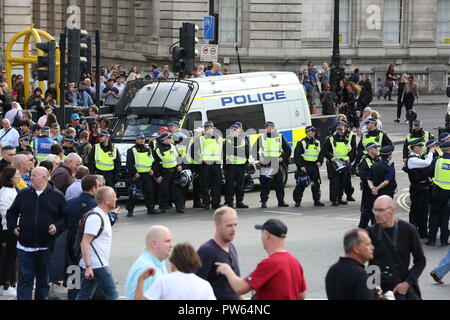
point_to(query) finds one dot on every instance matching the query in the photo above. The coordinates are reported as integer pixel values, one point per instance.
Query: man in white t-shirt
(96, 248)
(8, 135)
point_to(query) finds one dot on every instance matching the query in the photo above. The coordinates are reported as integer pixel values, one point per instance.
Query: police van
(250, 98)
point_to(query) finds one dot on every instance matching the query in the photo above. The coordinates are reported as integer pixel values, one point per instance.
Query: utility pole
(337, 71)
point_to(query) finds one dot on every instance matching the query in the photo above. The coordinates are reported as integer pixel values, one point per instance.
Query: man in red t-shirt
(279, 277)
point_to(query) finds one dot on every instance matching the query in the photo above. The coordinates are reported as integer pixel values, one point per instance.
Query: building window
(344, 21)
(443, 21)
(392, 21)
(228, 21)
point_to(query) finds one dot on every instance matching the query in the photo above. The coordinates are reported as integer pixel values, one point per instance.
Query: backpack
(17, 120)
(80, 233)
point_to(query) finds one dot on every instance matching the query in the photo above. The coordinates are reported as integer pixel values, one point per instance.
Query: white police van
(250, 98)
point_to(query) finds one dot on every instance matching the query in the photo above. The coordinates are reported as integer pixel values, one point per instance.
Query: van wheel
(284, 172)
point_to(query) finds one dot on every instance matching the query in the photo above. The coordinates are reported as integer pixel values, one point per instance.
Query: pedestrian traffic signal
(76, 60)
(47, 62)
(188, 40)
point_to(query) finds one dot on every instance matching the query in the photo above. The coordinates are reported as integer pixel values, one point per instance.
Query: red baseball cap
(164, 129)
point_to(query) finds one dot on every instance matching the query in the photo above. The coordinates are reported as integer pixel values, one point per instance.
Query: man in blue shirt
(215, 71)
(155, 72)
(381, 177)
(159, 245)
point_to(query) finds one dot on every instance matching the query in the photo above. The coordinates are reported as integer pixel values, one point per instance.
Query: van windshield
(128, 127)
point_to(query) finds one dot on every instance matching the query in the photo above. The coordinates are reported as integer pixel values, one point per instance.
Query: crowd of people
(59, 199)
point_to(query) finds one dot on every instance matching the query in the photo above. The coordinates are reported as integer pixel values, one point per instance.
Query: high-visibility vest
(197, 157)
(369, 162)
(211, 149)
(104, 161)
(239, 158)
(341, 149)
(442, 173)
(168, 158)
(439, 152)
(425, 138)
(142, 161)
(312, 152)
(375, 139)
(271, 147)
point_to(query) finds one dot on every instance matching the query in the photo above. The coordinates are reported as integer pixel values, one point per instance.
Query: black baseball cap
(274, 226)
(386, 150)
(416, 142)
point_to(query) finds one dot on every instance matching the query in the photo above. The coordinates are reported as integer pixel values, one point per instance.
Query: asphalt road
(314, 236)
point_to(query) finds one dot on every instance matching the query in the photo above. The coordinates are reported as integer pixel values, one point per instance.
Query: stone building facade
(271, 35)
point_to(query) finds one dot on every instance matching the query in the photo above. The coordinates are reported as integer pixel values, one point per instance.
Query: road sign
(209, 52)
(208, 28)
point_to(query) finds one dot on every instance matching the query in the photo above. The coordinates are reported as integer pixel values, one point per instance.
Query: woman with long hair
(401, 95)
(9, 179)
(51, 119)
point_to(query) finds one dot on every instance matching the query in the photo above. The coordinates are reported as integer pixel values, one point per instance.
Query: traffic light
(47, 63)
(188, 40)
(178, 56)
(76, 60)
(86, 53)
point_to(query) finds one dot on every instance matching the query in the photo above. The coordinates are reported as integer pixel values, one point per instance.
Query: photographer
(394, 241)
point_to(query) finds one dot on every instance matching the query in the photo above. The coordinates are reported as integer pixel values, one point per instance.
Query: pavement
(315, 233)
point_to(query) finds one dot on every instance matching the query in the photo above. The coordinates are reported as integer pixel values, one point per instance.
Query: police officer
(211, 150)
(338, 147)
(443, 137)
(68, 145)
(433, 143)
(194, 161)
(153, 142)
(24, 144)
(41, 145)
(367, 198)
(237, 152)
(439, 215)
(381, 177)
(272, 151)
(179, 138)
(416, 133)
(372, 135)
(351, 136)
(104, 159)
(140, 164)
(165, 155)
(308, 158)
(418, 174)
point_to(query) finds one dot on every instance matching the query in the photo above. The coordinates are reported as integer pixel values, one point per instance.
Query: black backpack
(80, 233)
(17, 120)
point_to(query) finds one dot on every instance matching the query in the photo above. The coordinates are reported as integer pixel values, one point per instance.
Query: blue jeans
(87, 99)
(33, 265)
(443, 267)
(102, 277)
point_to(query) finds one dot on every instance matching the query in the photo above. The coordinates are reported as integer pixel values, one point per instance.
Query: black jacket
(109, 148)
(363, 170)
(28, 148)
(130, 158)
(36, 215)
(299, 150)
(286, 153)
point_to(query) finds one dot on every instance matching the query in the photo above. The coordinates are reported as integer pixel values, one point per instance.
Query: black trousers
(234, 180)
(338, 182)
(367, 201)
(439, 215)
(110, 177)
(145, 183)
(277, 182)
(211, 175)
(348, 189)
(169, 191)
(418, 213)
(8, 255)
(312, 171)
(196, 184)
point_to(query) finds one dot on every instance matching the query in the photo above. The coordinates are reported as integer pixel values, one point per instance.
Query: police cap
(386, 150)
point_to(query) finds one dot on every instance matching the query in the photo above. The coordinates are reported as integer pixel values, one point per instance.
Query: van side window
(191, 118)
(252, 117)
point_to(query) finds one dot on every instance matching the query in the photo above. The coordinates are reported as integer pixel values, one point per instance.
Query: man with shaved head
(158, 246)
(35, 217)
(395, 241)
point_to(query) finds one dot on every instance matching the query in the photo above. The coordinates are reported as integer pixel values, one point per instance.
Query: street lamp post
(337, 71)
